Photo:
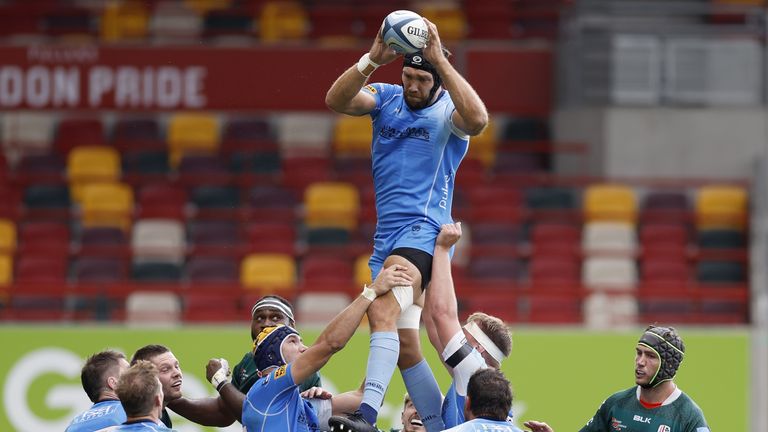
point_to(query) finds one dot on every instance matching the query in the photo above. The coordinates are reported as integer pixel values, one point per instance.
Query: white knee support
(410, 318)
(404, 296)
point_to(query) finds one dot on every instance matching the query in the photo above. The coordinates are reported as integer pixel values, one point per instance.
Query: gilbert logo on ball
(404, 31)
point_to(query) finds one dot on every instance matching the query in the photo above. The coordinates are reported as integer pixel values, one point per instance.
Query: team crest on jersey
(371, 89)
(616, 424)
(280, 372)
(664, 428)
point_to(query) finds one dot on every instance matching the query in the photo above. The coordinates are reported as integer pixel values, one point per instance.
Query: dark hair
(148, 352)
(490, 394)
(282, 300)
(138, 387)
(94, 373)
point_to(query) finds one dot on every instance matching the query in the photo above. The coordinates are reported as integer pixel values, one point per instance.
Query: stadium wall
(695, 143)
(560, 376)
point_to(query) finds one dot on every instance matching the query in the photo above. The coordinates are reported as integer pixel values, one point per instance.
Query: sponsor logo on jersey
(616, 424)
(664, 428)
(280, 372)
(418, 133)
(371, 89)
(702, 429)
(642, 419)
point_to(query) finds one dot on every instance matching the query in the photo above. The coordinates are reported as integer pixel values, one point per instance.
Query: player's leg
(417, 375)
(384, 349)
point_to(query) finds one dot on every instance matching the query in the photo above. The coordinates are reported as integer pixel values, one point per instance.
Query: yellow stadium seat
(331, 205)
(6, 270)
(203, 6)
(352, 136)
(483, 146)
(91, 164)
(124, 20)
(107, 204)
(721, 206)
(268, 272)
(283, 20)
(192, 133)
(7, 236)
(362, 271)
(610, 202)
(448, 18)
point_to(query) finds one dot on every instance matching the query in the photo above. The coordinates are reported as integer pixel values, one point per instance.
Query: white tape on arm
(365, 66)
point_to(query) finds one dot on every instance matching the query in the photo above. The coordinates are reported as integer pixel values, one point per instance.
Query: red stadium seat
(78, 132)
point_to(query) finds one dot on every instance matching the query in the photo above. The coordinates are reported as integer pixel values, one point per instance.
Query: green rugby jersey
(622, 412)
(244, 375)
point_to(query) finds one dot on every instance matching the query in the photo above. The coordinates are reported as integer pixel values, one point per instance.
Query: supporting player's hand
(433, 51)
(380, 52)
(316, 393)
(537, 426)
(218, 373)
(449, 235)
(392, 276)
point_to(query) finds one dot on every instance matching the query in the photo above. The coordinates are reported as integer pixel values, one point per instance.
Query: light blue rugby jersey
(415, 157)
(100, 415)
(141, 426)
(273, 404)
(486, 425)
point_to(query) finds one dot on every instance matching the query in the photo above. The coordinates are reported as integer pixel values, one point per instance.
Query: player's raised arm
(470, 116)
(441, 296)
(345, 96)
(340, 330)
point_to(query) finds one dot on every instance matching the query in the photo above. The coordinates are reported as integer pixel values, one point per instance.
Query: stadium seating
(721, 206)
(352, 136)
(331, 205)
(610, 202)
(269, 273)
(283, 20)
(192, 134)
(158, 240)
(91, 164)
(107, 204)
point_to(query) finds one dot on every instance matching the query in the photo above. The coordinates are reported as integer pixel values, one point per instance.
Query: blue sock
(425, 394)
(382, 361)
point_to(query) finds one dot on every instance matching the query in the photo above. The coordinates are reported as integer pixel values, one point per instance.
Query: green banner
(558, 376)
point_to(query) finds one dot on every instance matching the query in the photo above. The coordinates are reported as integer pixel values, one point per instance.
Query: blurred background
(168, 162)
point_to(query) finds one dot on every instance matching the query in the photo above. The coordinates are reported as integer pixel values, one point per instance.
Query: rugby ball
(404, 31)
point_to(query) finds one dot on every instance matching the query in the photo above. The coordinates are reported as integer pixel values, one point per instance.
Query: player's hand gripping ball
(405, 31)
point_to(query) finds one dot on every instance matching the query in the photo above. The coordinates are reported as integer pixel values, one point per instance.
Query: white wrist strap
(368, 293)
(366, 65)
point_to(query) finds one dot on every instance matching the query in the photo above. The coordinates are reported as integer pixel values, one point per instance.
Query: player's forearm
(232, 400)
(204, 411)
(441, 296)
(343, 326)
(468, 103)
(344, 89)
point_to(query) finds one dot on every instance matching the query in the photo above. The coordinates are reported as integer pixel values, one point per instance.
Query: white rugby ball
(404, 31)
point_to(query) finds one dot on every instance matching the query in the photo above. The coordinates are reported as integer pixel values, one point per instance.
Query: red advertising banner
(94, 77)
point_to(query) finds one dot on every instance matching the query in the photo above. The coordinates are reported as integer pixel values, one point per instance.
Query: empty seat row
(340, 20)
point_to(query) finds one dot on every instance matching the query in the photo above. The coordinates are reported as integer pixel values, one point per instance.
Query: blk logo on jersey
(642, 419)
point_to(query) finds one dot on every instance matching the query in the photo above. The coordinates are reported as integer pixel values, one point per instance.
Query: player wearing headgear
(483, 342)
(421, 132)
(99, 377)
(227, 407)
(141, 394)
(489, 399)
(274, 404)
(656, 404)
